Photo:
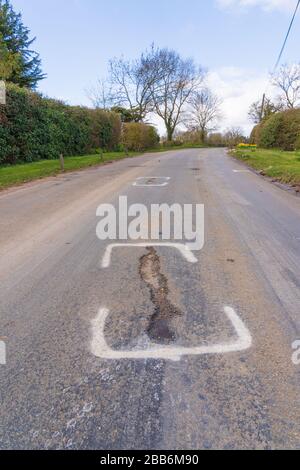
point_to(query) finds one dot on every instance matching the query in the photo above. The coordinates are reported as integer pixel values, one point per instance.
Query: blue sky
(237, 40)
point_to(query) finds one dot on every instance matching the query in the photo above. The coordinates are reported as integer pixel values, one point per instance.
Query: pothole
(151, 181)
(160, 328)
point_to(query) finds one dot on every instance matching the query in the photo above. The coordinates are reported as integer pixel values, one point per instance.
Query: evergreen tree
(9, 62)
(20, 64)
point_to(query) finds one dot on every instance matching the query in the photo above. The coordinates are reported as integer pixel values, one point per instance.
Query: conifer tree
(18, 63)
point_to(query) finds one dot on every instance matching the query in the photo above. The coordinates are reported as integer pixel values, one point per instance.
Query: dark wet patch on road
(160, 328)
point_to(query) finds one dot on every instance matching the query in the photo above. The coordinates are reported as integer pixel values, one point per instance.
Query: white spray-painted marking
(184, 250)
(2, 353)
(241, 171)
(100, 348)
(143, 182)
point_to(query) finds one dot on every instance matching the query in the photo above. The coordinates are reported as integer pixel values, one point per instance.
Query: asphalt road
(81, 372)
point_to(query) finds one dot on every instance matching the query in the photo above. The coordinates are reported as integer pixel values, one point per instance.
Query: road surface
(63, 314)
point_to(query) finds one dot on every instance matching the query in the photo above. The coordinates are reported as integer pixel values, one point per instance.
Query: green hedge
(281, 130)
(33, 128)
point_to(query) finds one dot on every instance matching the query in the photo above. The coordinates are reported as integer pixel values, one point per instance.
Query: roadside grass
(12, 175)
(281, 166)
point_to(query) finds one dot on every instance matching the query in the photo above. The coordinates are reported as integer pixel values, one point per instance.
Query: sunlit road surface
(146, 349)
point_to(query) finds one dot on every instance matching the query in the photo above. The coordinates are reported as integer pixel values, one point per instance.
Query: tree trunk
(170, 133)
(202, 136)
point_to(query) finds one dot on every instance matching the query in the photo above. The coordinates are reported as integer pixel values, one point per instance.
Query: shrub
(290, 130)
(173, 143)
(139, 136)
(281, 130)
(270, 131)
(216, 139)
(255, 135)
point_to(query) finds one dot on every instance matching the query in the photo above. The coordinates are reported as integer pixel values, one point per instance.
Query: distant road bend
(144, 348)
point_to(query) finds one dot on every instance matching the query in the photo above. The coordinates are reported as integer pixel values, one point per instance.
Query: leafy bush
(139, 136)
(34, 128)
(255, 134)
(270, 131)
(281, 130)
(216, 139)
(172, 143)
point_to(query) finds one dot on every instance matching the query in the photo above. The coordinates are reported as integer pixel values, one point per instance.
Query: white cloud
(266, 5)
(238, 88)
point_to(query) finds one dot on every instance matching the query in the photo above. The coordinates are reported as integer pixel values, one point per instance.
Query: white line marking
(241, 171)
(184, 250)
(138, 183)
(100, 348)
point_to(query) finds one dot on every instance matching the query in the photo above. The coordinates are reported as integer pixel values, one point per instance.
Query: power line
(280, 54)
(287, 36)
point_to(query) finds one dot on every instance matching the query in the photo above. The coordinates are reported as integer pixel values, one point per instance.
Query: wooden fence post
(62, 162)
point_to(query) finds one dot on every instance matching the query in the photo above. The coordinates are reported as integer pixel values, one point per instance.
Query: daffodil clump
(247, 146)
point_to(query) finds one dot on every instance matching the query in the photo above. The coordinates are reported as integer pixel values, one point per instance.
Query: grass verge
(21, 173)
(276, 164)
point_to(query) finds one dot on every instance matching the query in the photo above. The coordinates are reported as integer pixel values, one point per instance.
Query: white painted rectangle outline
(100, 348)
(182, 248)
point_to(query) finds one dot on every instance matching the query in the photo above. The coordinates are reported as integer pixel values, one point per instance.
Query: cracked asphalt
(55, 393)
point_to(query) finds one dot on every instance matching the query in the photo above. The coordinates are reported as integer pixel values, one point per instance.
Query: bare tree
(100, 95)
(259, 111)
(234, 136)
(159, 81)
(175, 81)
(288, 81)
(205, 112)
(132, 83)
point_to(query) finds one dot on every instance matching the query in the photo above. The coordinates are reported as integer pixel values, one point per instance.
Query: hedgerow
(33, 128)
(281, 130)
